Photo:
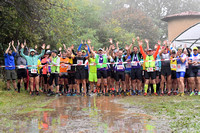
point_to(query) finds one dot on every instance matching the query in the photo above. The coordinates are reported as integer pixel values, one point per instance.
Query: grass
(182, 113)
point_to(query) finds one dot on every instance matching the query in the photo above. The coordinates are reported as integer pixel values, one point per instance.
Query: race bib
(128, 65)
(68, 67)
(34, 71)
(156, 68)
(173, 66)
(79, 62)
(21, 67)
(92, 64)
(134, 63)
(150, 69)
(100, 64)
(62, 66)
(179, 66)
(120, 67)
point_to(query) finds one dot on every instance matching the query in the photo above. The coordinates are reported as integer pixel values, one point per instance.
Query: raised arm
(141, 49)
(8, 48)
(157, 50)
(147, 43)
(14, 46)
(22, 52)
(43, 51)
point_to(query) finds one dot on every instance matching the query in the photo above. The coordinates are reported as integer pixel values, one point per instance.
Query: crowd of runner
(162, 70)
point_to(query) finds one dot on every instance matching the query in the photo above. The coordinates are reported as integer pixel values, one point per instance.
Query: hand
(86, 48)
(12, 43)
(48, 47)
(22, 45)
(85, 42)
(127, 47)
(25, 42)
(117, 43)
(36, 47)
(89, 41)
(185, 46)
(147, 41)
(60, 49)
(110, 40)
(18, 43)
(43, 46)
(133, 40)
(81, 41)
(92, 47)
(9, 44)
(113, 47)
(72, 47)
(159, 42)
(140, 43)
(138, 38)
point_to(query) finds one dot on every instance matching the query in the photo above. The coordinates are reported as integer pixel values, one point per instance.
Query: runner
(149, 66)
(21, 69)
(32, 66)
(9, 58)
(136, 72)
(55, 70)
(180, 71)
(173, 64)
(165, 69)
(80, 72)
(195, 71)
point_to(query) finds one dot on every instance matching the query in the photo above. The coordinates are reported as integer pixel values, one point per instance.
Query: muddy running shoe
(179, 94)
(69, 94)
(155, 94)
(118, 93)
(58, 94)
(145, 94)
(169, 94)
(192, 93)
(106, 94)
(98, 94)
(175, 93)
(182, 94)
(32, 93)
(162, 94)
(37, 93)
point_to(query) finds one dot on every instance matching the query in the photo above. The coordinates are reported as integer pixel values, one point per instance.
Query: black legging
(55, 77)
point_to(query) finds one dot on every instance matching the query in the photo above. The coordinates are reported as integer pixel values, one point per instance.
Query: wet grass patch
(181, 113)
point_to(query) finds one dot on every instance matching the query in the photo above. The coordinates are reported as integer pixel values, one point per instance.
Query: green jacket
(150, 64)
(32, 60)
(56, 62)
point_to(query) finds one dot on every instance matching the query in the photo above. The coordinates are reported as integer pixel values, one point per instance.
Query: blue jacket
(10, 61)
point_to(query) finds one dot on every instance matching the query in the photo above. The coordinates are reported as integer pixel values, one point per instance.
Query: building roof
(183, 14)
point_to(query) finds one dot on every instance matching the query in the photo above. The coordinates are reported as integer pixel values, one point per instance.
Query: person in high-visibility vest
(149, 60)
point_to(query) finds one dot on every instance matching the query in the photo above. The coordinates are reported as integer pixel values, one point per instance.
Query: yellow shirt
(173, 64)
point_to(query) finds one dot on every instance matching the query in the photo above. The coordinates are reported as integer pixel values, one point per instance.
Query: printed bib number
(150, 69)
(21, 67)
(120, 67)
(63, 66)
(68, 67)
(134, 63)
(34, 71)
(157, 68)
(100, 64)
(79, 62)
(173, 66)
(92, 64)
(128, 65)
(178, 66)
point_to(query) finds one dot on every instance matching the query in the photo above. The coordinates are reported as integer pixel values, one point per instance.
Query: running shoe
(155, 94)
(192, 93)
(182, 94)
(106, 94)
(145, 94)
(179, 94)
(175, 93)
(169, 94)
(162, 94)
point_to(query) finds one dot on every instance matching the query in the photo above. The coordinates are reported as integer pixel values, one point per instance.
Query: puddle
(84, 114)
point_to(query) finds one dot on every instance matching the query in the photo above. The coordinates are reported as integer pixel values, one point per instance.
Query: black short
(120, 75)
(173, 73)
(187, 72)
(112, 74)
(71, 78)
(136, 73)
(108, 73)
(149, 75)
(165, 71)
(53, 76)
(21, 73)
(86, 74)
(32, 74)
(101, 73)
(64, 75)
(45, 78)
(158, 73)
(80, 75)
(195, 72)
